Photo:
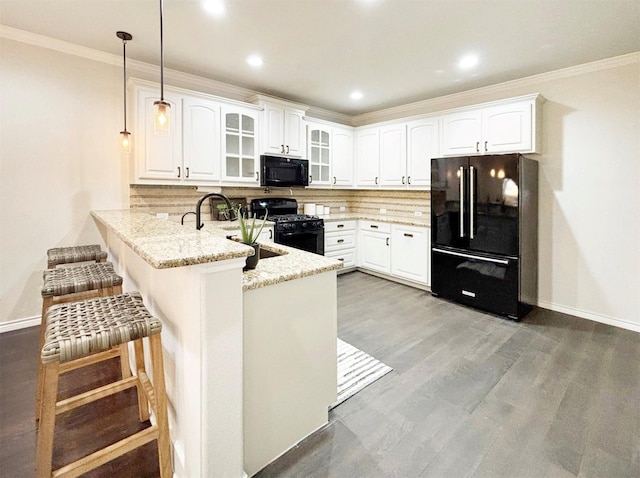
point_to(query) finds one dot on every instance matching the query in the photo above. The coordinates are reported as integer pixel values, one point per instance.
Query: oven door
(310, 241)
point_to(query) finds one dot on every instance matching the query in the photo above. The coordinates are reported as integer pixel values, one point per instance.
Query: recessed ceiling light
(255, 61)
(468, 61)
(356, 95)
(214, 7)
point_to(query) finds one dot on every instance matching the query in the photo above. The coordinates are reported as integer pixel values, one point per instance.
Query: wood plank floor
(471, 395)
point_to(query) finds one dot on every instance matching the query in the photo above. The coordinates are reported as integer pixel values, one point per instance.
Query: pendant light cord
(161, 54)
(124, 82)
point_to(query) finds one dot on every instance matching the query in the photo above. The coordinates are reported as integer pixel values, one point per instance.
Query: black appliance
(484, 232)
(283, 171)
(301, 231)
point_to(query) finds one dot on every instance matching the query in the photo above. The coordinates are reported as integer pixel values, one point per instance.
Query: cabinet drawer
(339, 240)
(375, 226)
(347, 257)
(339, 226)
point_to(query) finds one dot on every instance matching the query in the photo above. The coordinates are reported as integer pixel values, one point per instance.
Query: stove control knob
(304, 225)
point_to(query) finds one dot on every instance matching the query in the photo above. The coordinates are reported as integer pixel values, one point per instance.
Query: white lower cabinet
(396, 250)
(374, 246)
(340, 242)
(410, 251)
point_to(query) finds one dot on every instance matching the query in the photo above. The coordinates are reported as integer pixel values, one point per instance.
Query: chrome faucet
(199, 224)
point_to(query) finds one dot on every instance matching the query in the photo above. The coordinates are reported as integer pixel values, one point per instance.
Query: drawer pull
(340, 241)
(340, 226)
(373, 226)
(341, 259)
(406, 234)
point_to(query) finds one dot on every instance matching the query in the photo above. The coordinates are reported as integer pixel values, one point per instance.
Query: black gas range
(301, 231)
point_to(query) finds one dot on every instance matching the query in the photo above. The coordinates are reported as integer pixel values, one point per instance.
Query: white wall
(59, 159)
(61, 115)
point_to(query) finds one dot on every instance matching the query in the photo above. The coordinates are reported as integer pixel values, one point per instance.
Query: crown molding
(533, 81)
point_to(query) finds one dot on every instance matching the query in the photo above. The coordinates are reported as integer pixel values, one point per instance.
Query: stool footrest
(107, 454)
(91, 359)
(95, 394)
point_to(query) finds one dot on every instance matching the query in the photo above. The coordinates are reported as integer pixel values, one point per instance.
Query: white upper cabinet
(368, 156)
(393, 155)
(342, 156)
(158, 157)
(201, 139)
(320, 144)
(239, 145)
(283, 128)
(510, 126)
(422, 145)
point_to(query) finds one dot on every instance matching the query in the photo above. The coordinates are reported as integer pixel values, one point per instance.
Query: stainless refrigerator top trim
(461, 201)
(469, 256)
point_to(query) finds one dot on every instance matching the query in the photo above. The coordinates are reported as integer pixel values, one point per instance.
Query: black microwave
(282, 171)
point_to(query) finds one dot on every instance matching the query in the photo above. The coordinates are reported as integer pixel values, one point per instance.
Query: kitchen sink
(265, 253)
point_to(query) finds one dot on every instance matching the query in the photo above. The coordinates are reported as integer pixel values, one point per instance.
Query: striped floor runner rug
(356, 370)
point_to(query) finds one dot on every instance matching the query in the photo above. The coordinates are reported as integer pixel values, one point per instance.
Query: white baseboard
(19, 324)
(604, 319)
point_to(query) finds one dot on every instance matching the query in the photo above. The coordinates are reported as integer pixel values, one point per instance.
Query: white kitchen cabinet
(283, 128)
(368, 156)
(158, 157)
(422, 145)
(340, 242)
(393, 155)
(510, 126)
(240, 163)
(201, 139)
(342, 156)
(320, 147)
(374, 246)
(410, 253)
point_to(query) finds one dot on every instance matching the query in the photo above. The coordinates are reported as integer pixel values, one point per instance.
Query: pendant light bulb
(125, 136)
(162, 113)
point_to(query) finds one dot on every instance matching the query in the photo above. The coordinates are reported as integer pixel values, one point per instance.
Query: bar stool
(67, 255)
(68, 284)
(80, 329)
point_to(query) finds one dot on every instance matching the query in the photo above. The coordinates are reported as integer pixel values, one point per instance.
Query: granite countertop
(165, 243)
(420, 221)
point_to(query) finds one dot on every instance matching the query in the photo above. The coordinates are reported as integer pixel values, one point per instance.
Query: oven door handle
(301, 233)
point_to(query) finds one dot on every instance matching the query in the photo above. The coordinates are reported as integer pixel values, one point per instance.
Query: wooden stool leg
(143, 404)
(46, 431)
(46, 303)
(164, 442)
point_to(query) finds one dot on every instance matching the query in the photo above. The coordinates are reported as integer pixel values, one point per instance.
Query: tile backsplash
(176, 200)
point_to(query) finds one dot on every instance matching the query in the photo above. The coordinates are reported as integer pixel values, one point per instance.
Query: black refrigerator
(484, 232)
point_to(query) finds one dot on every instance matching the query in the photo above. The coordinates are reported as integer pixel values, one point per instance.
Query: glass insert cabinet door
(240, 161)
(319, 155)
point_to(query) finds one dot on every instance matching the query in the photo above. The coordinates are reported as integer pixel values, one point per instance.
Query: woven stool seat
(65, 255)
(82, 278)
(79, 329)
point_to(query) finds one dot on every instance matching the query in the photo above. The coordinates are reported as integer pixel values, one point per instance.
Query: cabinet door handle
(334, 180)
(257, 175)
(409, 180)
(187, 172)
(376, 179)
(310, 178)
(340, 241)
(282, 148)
(485, 145)
(373, 226)
(477, 146)
(387, 241)
(406, 234)
(270, 233)
(179, 172)
(402, 179)
(287, 149)
(340, 226)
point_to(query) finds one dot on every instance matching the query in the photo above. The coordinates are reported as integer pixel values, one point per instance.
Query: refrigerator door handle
(471, 199)
(469, 256)
(461, 170)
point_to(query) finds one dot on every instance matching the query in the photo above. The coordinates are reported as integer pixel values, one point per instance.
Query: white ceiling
(317, 51)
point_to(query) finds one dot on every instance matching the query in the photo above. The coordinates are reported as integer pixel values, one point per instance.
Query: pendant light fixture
(125, 136)
(162, 108)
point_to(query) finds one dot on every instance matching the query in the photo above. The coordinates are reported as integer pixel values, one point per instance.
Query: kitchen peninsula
(250, 357)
